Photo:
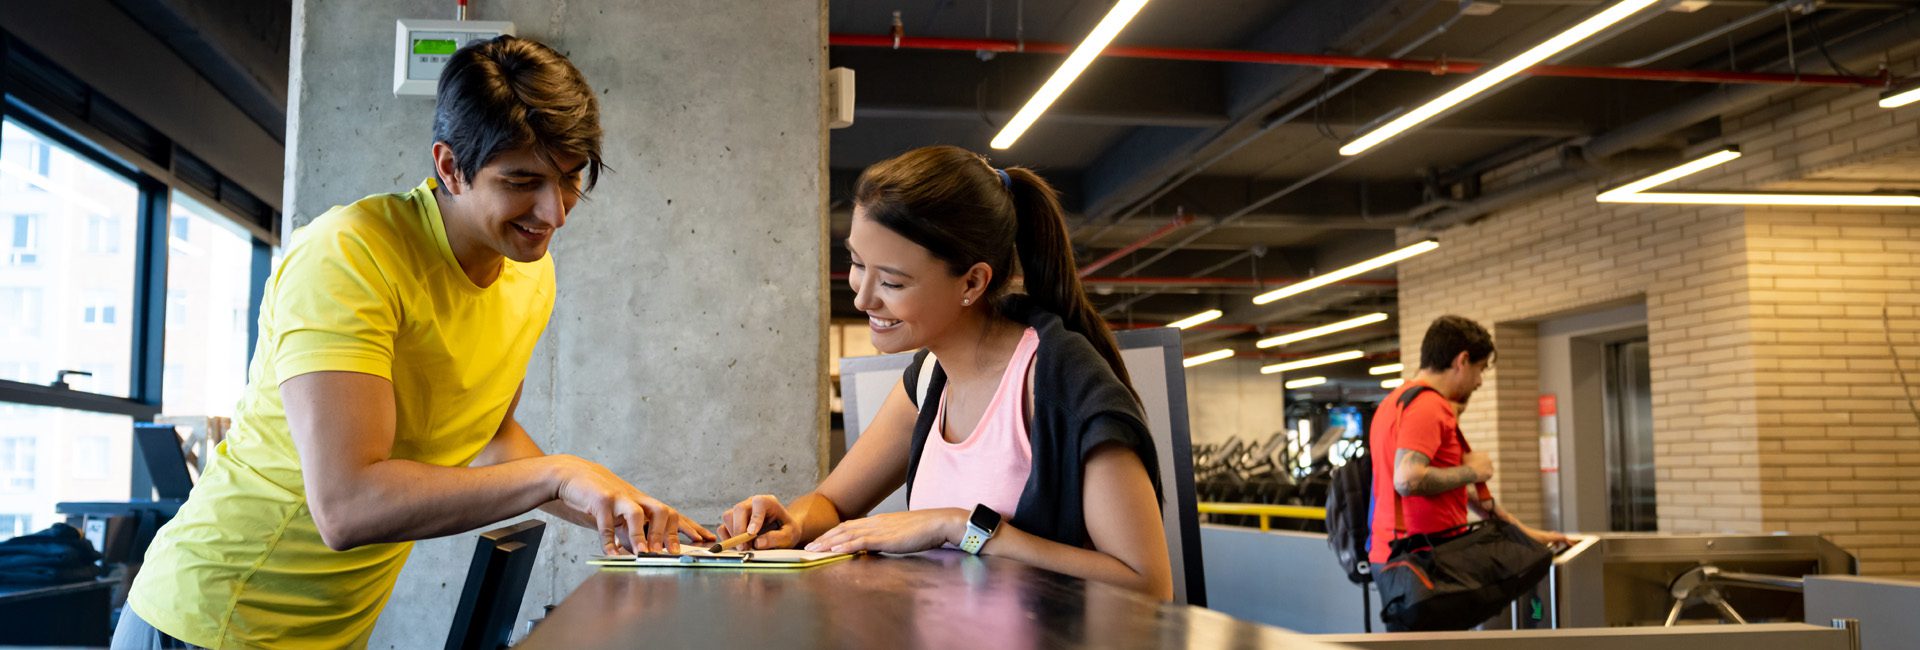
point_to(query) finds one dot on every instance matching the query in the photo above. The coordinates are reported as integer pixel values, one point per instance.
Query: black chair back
(496, 582)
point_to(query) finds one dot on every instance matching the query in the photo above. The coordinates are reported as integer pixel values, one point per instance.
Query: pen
(741, 538)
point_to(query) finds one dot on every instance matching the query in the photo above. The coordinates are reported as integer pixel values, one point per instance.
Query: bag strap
(1399, 512)
(919, 390)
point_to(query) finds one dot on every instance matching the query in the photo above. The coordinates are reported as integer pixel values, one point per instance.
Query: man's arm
(510, 443)
(1413, 475)
(1544, 537)
(343, 428)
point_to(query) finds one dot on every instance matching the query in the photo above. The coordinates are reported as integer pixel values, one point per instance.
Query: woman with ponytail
(1016, 429)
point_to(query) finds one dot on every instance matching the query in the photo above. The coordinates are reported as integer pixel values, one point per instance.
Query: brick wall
(1838, 442)
(1776, 405)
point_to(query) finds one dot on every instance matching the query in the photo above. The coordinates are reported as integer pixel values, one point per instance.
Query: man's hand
(1481, 465)
(621, 511)
(1548, 538)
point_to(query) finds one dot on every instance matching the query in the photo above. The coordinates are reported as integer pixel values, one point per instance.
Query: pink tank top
(991, 466)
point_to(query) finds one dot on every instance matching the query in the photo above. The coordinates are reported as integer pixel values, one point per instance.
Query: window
(77, 222)
(16, 463)
(99, 309)
(72, 235)
(104, 235)
(23, 240)
(14, 525)
(208, 285)
(89, 457)
(20, 318)
(49, 455)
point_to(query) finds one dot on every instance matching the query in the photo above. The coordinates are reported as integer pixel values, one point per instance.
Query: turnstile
(1639, 579)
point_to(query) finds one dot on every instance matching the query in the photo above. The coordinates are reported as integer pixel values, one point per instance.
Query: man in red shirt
(1417, 450)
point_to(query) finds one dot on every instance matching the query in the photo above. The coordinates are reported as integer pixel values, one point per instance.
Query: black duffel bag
(1456, 579)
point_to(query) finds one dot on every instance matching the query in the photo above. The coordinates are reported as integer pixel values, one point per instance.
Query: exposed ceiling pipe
(1268, 124)
(1201, 282)
(1201, 274)
(1866, 46)
(1428, 66)
(1723, 30)
(1228, 283)
(1179, 221)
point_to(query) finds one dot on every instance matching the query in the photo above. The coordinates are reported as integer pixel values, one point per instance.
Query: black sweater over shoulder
(1078, 405)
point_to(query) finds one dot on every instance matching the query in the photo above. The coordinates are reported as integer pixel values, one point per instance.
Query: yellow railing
(1264, 511)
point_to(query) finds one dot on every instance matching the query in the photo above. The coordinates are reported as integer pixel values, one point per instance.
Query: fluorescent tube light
(1389, 369)
(1392, 383)
(1901, 95)
(1209, 357)
(1485, 81)
(1305, 382)
(1325, 279)
(1322, 330)
(1309, 363)
(1104, 33)
(1636, 191)
(1195, 319)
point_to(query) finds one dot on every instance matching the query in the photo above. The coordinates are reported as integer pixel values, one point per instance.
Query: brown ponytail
(1050, 273)
(954, 203)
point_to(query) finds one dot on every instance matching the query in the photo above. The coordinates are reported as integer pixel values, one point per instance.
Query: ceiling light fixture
(1305, 382)
(1109, 27)
(1209, 357)
(1901, 94)
(1485, 81)
(1322, 330)
(1637, 191)
(1392, 383)
(1325, 279)
(1196, 319)
(1389, 369)
(1309, 363)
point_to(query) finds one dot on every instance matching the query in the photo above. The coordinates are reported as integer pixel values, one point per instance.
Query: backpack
(1350, 505)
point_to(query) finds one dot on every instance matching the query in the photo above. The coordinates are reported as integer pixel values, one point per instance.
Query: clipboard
(698, 558)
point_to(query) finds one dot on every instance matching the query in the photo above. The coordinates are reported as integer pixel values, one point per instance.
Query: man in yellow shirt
(394, 336)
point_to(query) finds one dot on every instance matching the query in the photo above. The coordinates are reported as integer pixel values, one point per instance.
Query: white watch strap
(975, 539)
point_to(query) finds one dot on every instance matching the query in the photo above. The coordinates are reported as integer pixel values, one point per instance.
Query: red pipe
(1436, 67)
(1202, 283)
(1177, 223)
(1135, 280)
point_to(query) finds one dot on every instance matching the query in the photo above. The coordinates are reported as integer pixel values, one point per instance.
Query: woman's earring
(966, 301)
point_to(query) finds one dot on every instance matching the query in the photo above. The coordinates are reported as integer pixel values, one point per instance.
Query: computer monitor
(166, 464)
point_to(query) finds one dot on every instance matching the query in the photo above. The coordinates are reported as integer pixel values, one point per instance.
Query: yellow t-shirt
(371, 287)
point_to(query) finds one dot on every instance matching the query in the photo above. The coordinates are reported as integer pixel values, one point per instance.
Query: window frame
(156, 172)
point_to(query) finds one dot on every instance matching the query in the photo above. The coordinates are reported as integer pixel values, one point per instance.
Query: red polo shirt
(1428, 426)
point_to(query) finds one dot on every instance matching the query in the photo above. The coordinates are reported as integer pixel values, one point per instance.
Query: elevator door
(1629, 409)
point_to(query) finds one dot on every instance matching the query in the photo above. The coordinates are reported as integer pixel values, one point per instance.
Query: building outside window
(17, 463)
(23, 240)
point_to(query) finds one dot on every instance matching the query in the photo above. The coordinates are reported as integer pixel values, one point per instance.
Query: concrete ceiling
(1131, 126)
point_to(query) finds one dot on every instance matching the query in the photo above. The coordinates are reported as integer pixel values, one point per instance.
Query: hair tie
(1005, 180)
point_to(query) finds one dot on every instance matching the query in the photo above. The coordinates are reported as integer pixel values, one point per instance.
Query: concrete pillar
(687, 349)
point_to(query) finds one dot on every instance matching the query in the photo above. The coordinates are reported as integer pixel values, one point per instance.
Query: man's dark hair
(1451, 335)
(506, 93)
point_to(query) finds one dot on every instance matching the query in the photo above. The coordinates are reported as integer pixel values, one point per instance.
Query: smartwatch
(981, 526)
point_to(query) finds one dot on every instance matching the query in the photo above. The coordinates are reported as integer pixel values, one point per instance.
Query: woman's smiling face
(910, 297)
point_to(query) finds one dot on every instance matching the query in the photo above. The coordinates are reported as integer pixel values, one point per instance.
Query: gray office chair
(496, 582)
(1154, 358)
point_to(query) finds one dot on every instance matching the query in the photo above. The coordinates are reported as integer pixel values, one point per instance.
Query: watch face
(984, 518)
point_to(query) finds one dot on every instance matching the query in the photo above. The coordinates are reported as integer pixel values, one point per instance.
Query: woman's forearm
(1088, 564)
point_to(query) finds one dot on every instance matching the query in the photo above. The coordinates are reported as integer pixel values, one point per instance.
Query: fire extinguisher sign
(1549, 433)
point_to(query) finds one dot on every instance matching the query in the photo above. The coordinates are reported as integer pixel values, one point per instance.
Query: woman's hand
(761, 514)
(896, 532)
